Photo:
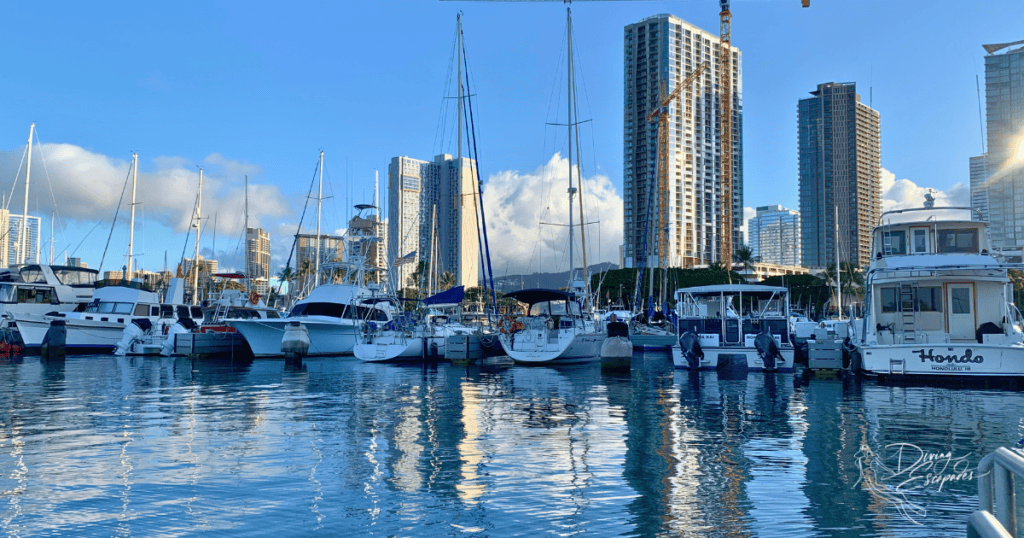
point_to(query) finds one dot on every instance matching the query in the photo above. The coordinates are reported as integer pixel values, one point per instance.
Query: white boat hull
(959, 359)
(327, 336)
(391, 347)
(542, 346)
(82, 335)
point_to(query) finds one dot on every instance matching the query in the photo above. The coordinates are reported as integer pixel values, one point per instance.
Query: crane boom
(662, 113)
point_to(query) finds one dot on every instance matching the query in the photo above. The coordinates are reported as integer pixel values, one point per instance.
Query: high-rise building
(257, 259)
(660, 52)
(431, 203)
(13, 239)
(775, 235)
(840, 161)
(206, 270)
(979, 187)
(1004, 106)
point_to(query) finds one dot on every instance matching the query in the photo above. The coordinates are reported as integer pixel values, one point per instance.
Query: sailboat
(555, 327)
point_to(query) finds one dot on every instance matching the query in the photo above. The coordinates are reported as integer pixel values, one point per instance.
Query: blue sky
(260, 88)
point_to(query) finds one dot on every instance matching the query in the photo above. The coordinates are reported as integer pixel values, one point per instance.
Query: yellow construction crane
(661, 113)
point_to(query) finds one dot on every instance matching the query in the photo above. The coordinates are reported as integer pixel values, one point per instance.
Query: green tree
(744, 256)
(447, 281)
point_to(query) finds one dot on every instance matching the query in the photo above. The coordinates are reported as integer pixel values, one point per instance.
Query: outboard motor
(295, 342)
(768, 350)
(692, 352)
(182, 326)
(133, 332)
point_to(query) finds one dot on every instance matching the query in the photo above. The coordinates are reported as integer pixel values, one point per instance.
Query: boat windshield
(75, 277)
(555, 308)
(109, 307)
(33, 274)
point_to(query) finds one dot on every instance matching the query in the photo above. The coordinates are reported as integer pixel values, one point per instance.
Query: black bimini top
(539, 295)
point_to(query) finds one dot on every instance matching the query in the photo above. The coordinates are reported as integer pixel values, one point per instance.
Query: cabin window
(33, 295)
(108, 307)
(8, 294)
(183, 312)
(197, 312)
(896, 242)
(920, 241)
(166, 311)
(142, 310)
(959, 240)
(927, 299)
(154, 311)
(33, 275)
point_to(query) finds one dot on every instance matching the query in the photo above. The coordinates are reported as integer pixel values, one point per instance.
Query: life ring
(254, 297)
(506, 324)
(518, 326)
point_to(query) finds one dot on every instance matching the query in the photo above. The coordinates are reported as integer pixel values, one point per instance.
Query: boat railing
(996, 515)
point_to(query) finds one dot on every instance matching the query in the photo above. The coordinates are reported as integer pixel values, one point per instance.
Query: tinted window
(958, 240)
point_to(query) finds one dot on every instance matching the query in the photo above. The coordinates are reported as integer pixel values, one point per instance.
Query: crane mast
(725, 81)
(662, 114)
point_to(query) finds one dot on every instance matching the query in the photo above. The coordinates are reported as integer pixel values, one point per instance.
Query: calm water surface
(111, 446)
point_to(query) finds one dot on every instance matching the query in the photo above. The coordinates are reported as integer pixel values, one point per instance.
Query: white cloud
(904, 193)
(516, 205)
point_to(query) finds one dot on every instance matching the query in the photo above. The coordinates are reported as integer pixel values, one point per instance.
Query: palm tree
(744, 256)
(447, 281)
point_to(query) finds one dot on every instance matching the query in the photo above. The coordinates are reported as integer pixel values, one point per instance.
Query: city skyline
(185, 92)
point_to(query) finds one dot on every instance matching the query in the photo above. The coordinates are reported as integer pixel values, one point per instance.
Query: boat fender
(768, 350)
(692, 352)
(550, 322)
(295, 342)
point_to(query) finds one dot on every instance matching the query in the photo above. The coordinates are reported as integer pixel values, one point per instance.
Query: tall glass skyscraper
(660, 52)
(840, 161)
(775, 235)
(1004, 104)
(31, 248)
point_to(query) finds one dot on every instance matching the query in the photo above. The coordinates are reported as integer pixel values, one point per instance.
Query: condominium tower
(12, 241)
(775, 235)
(431, 203)
(257, 259)
(1004, 105)
(660, 52)
(840, 160)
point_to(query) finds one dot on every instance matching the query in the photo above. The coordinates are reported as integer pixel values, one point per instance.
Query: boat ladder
(996, 515)
(909, 310)
(886, 241)
(221, 312)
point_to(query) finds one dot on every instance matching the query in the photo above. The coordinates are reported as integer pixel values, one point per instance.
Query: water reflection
(142, 446)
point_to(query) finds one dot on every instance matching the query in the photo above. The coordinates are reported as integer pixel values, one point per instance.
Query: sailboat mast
(319, 200)
(458, 32)
(131, 225)
(22, 240)
(572, 191)
(195, 262)
(52, 215)
(839, 280)
(248, 269)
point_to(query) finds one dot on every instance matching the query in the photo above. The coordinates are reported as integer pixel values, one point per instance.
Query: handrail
(996, 495)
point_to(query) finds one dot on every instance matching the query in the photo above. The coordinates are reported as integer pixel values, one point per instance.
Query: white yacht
(101, 325)
(40, 289)
(939, 301)
(334, 311)
(554, 329)
(748, 323)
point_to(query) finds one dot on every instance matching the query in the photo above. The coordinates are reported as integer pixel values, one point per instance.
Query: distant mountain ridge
(505, 284)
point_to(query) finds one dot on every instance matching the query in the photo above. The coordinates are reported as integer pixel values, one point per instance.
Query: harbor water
(133, 446)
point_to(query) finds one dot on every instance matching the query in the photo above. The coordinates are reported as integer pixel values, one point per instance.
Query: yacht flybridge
(939, 300)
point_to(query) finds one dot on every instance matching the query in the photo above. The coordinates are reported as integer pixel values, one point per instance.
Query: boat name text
(968, 356)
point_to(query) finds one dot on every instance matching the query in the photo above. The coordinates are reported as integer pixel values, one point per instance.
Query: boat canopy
(745, 289)
(539, 295)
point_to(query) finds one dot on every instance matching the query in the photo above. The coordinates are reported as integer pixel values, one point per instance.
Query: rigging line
(49, 185)
(579, 181)
(480, 185)
(295, 238)
(73, 252)
(114, 223)
(16, 176)
(188, 236)
(555, 90)
(442, 114)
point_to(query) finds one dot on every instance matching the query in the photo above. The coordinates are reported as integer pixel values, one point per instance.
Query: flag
(408, 258)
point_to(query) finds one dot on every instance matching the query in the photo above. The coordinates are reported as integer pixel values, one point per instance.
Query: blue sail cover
(452, 296)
